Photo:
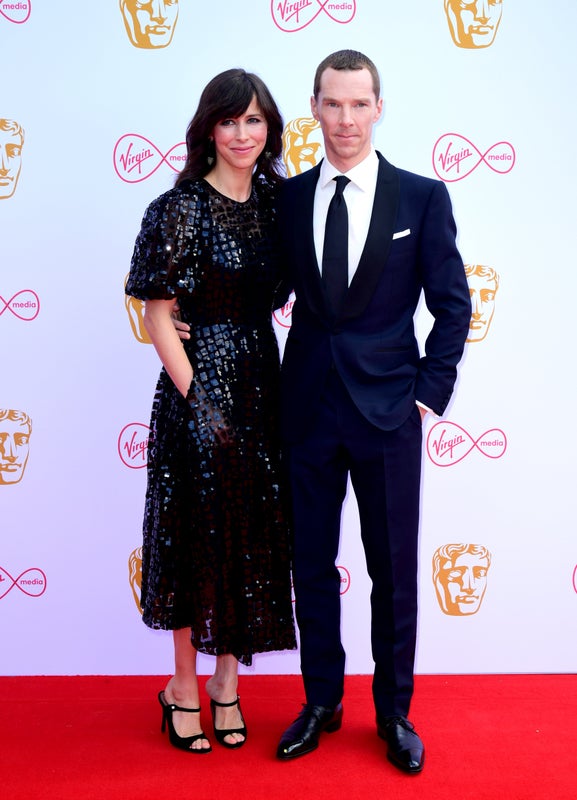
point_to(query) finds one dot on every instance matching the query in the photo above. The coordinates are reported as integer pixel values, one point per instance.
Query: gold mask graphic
(299, 153)
(473, 25)
(150, 24)
(135, 575)
(15, 430)
(11, 142)
(483, 286)
(135, 311)
(460, 577)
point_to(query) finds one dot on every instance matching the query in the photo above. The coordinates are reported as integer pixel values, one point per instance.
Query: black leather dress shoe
(302, 736)
(404, 748)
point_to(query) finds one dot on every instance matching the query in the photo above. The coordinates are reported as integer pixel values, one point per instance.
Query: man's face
(10, 162)
(347, 109)
(473, 24)
(150, 23)
(463, 582)
(482, 291)
(14, 439)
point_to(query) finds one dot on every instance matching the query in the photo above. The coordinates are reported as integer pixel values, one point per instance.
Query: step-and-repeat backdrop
(94, 103)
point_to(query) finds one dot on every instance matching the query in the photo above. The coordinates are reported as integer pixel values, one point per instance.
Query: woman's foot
(227, 716)
(186, 723)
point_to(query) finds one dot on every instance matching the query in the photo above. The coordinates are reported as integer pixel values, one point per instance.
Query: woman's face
(240, 141)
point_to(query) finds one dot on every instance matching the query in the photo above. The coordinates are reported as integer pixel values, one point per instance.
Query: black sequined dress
(216, 549)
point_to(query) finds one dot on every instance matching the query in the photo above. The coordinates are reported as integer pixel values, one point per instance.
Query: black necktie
(335, 268)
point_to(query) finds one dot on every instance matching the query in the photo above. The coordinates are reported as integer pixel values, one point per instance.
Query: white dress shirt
(359, 196)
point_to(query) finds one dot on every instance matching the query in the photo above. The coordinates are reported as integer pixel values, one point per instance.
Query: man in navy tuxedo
(355, 391)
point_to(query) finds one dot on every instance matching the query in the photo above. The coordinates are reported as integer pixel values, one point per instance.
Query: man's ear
(314, 111)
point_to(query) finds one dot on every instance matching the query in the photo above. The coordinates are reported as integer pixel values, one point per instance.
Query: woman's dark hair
(227, 96)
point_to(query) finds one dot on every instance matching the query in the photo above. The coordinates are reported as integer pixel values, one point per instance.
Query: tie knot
(341, 181)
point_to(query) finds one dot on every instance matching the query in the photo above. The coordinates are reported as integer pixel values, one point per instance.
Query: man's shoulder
(416, 178)
(405, 175)
(303, 179)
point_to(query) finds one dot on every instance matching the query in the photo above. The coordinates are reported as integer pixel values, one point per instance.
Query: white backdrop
(493, 116)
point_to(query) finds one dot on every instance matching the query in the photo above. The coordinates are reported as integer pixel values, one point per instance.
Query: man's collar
(362, 175)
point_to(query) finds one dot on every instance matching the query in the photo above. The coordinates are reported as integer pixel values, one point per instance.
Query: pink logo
(284, 315)
(298, 14)
(15, 12)
(575, 578)
(345, 579)
(448, 443)
(455, 157)
(25, 305)
(133, 445)
(31, 582)
(136, 158)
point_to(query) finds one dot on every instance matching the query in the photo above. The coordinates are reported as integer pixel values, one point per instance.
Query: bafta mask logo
(460, 577)
(473, 25)
(300, 150)
(150, 24)
(483, 285)
(135, 311)
(15, 430)
(135, 575)
(11, 143)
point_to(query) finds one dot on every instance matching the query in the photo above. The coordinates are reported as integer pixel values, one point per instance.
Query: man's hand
(182, 328)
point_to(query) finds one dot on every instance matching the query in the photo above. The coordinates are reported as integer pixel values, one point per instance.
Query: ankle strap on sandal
(225, 705)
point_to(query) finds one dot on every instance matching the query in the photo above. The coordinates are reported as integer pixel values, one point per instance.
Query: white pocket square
(400, 234)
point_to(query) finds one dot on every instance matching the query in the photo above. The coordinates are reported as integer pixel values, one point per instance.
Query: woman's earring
(211, 153)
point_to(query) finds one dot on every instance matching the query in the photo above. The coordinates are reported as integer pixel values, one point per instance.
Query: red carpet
(98, 738)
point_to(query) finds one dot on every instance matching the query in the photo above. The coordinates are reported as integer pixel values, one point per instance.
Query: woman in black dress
(216, 550)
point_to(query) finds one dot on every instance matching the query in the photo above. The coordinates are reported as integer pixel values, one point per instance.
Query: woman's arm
(160, 327)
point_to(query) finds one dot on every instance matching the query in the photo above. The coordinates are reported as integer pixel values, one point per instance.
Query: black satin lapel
(307, 265)
(378, 244)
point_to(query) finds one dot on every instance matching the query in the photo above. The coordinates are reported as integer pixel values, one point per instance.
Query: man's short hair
(349, 60)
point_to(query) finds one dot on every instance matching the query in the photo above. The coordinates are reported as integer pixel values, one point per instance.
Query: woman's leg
(222, 688)
(182, 688)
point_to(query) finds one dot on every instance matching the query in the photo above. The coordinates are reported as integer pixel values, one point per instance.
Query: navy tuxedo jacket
(410, 249)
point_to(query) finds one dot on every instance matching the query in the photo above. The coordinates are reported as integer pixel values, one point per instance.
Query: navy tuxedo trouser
(385, 470)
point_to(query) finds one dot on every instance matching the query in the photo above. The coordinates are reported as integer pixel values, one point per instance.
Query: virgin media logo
(15, 12)
(25, 305)
(31, 582)
(455, 157)
(284, 315)
(449, 443)
(133, 445)
(345, 576)
(136, 158)
(292, 17)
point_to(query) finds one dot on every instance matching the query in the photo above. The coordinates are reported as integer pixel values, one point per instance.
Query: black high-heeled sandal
(220, 733)
(181, 742)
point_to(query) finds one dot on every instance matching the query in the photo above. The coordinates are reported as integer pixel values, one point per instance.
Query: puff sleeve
(167, 248)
